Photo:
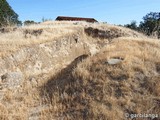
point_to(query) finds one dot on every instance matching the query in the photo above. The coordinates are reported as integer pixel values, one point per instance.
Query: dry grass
(51, 30)
(25, 36)
(131, 86)
(88, 88)
(93, 89)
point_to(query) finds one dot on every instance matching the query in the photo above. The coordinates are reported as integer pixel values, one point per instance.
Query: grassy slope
(89, 88)
(97, 90)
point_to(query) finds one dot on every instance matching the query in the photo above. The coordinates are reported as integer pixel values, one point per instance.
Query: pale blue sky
(110, 11)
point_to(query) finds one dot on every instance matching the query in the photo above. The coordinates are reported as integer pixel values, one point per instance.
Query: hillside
(77, 70)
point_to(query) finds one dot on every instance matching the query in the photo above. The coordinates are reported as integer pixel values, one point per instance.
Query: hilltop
(77, 70)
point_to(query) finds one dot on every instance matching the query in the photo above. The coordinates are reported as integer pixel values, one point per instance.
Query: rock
(12, 80)
(103, 34)
(114, 61)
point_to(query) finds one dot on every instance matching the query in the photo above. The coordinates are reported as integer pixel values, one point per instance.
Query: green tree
(29, 22)
(46, 19)
(132, 25)
(7, 14)
(151, 24)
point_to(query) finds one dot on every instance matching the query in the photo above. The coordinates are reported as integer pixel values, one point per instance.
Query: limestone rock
(114, 61)
(12, 80)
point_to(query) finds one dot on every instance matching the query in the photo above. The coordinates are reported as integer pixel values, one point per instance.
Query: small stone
(114, 61)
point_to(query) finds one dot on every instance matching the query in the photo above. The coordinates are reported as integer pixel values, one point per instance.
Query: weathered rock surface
(31, 65)
(114, 61)
(104, 34)
(109, 33)
(12, 80)
(26, 64)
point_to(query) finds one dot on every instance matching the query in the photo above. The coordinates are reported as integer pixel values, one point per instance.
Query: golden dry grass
(131, 86)
(14, 40)
(88, 88)
(93, 89)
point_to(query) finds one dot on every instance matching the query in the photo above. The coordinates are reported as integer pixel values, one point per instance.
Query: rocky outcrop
(39, 59)
(109, 33)
(31, 66)
(104, 34)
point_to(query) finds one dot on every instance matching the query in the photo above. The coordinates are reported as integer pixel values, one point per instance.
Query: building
(64, 18)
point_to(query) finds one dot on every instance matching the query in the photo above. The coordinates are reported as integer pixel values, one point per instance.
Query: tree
(7, 14)
(132, 25)
(29, 22)
(45, 19)
(151, 24)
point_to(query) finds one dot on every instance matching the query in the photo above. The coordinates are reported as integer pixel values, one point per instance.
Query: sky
(110, 11)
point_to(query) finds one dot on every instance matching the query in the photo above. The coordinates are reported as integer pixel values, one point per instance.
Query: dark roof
(61, 18)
